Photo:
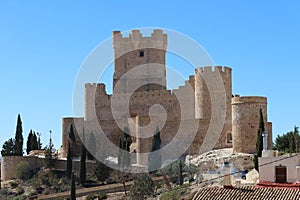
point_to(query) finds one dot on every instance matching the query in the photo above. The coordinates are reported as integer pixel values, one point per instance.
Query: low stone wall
(9, 163)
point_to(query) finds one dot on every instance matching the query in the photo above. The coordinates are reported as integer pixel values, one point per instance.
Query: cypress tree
(124, 149)
(19, 138)
(101, 171)
(69, 161)
(180, 173)
(259, 141)
(73, 187)
(154, 158)
(91, 147)
(29, 138)
(83, 162)
(120, 154)
(296, 135)
(34, 142)
(39, 141)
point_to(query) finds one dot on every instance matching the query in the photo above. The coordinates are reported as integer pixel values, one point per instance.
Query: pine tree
(73, 187)
(8, 148)
(29, 138)
(259, 142)
(19, 138)
(83, 162)
(69, 161)
(154, 158)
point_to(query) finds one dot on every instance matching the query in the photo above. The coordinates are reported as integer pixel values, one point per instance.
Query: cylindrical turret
(245, 122)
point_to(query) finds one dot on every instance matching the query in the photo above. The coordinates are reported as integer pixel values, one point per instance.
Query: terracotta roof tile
(247, 193)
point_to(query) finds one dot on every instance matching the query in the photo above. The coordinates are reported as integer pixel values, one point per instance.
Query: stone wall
(234, 120)
(245, 122)
(9, 164)
(144, 53)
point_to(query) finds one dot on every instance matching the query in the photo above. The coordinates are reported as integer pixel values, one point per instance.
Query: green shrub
(142, 186)
(175, 193)
(20, 190)
(22, 197)
(23, 171)
(44, 177)
(13, 184)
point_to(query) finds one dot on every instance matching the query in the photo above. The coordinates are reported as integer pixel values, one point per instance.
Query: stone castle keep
(148, 88)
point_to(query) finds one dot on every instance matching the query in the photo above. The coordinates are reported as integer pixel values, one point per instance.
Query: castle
(209, 114)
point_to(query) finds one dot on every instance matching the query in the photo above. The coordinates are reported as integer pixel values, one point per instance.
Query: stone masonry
(148, 88)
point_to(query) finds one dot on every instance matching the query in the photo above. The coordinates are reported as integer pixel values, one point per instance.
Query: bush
(23, 171)
(20, 190)
(13, 184)
(175, 193)
(22, 197)
(44, 177)
(142, 185)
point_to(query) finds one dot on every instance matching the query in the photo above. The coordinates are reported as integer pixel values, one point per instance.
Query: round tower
(245, 122)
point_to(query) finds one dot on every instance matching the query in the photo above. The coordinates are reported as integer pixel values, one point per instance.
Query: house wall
(267, 169)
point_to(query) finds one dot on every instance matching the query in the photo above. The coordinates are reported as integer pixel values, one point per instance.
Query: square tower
(139, 62)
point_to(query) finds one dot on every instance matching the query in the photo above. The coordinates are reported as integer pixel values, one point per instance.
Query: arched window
(229, 138)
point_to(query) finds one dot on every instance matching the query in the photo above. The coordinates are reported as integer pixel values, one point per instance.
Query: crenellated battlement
(210, 69)
(135, 41)
(96, 88)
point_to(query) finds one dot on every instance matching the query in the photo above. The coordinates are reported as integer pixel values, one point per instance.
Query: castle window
(142, 53)
(229, 138)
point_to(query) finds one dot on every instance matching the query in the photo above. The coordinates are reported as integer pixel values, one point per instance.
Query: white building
(282, 169)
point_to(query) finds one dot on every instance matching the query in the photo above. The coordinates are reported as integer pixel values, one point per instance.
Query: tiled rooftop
(247, 193)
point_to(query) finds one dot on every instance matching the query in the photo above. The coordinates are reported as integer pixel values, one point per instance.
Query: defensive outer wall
(9, 164)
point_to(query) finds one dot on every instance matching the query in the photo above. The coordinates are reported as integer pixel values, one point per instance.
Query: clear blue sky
(42, 45)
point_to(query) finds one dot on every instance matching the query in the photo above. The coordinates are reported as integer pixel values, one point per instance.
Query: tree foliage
(28, 144)
(8, 148)
(32, 142)
(91, 147)
(289, 142)
(49, 150)
(102, 171)
(19, 138)
(259, 141)
(69, 161)
(154, 158)
(73, 188)
(143, 185)
(39, 141)
(124, 149)
(23, 171)
(83, 162)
